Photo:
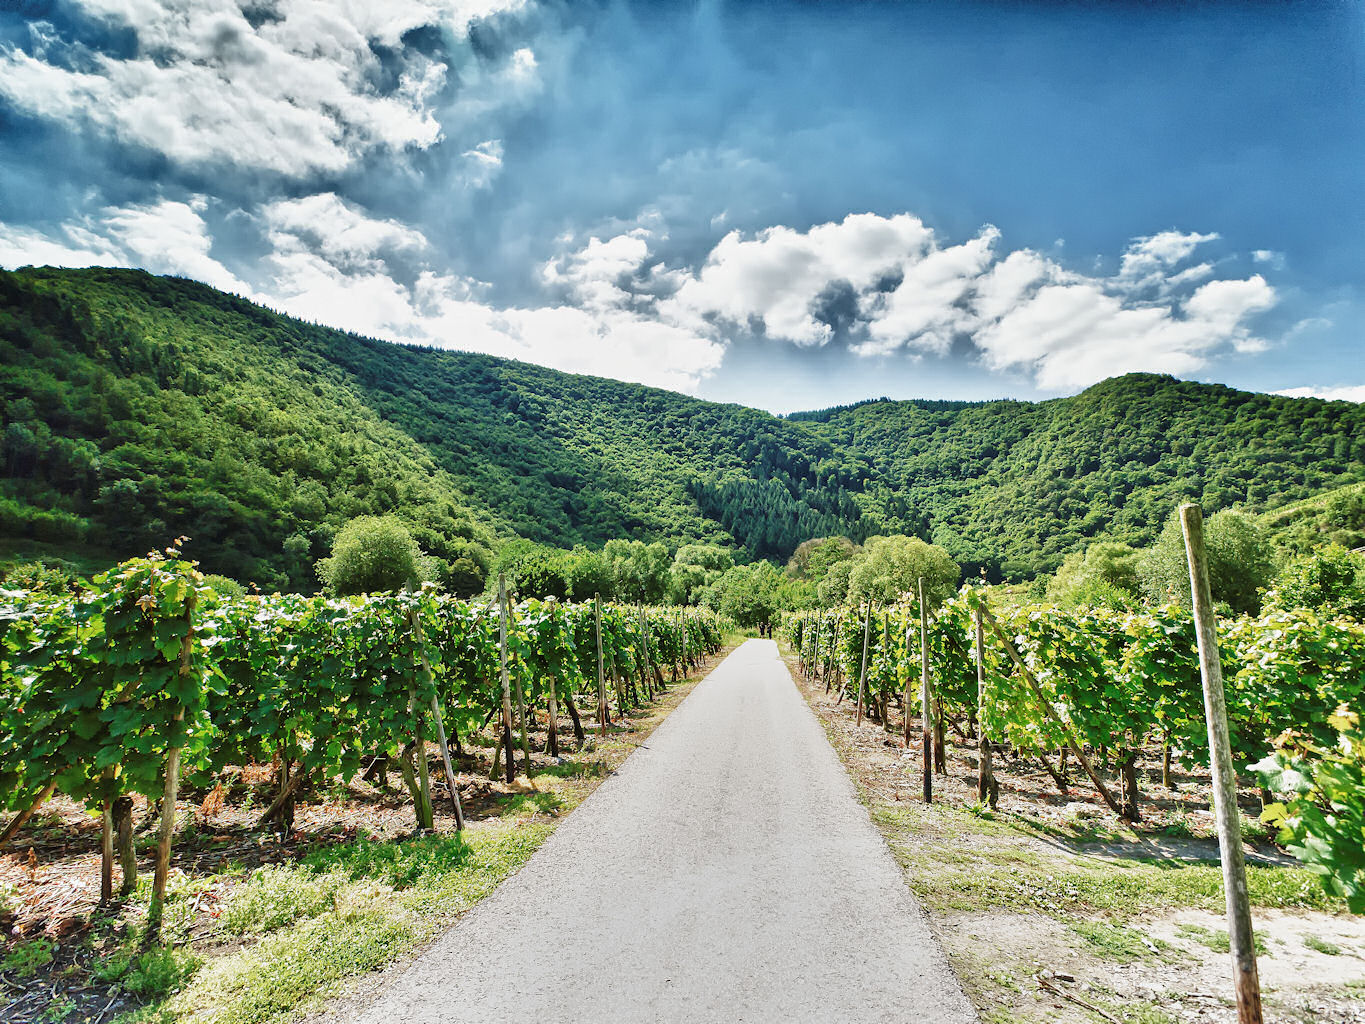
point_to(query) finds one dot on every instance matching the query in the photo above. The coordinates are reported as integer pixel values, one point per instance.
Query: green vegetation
(1330, 580)
(343, 911)
(1117, 943)
(1216, 939)
(1241, 562)
(25, 957)
(1322, 817)
(373, 554)
(135, 409)
(1322, 945)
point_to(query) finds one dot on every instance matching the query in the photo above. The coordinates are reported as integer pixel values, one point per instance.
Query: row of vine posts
(823, 662)
(106, 693)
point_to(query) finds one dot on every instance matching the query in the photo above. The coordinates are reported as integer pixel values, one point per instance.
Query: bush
(888, 567)
(1331, 580)
(373, 554)
(1241, 562)
(1104, 574)
(1322, 819)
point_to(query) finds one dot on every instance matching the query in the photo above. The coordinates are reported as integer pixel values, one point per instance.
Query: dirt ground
(49, 875)
(1044, 908)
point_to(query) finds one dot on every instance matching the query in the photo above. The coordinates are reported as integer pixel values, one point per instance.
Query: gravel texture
(726, 872)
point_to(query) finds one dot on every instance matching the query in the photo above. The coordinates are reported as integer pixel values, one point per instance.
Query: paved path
(726, 872)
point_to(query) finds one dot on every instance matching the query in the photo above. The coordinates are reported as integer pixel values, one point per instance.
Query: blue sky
(789, 205)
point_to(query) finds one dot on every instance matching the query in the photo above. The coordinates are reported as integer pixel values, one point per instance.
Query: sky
(787, 205)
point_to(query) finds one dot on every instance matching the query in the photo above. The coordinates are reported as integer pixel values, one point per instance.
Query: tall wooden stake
(602, 718)
(1246, 983)
(862, 672)
(419, 749)
(163, 846)
(521, 707)
(926, 709)
(506, 681)
(987, 790)
(644, 650)
(107, 848)
(445, 759)
(907, 701)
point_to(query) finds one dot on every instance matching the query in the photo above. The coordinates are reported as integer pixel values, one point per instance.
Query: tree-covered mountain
(137, 408)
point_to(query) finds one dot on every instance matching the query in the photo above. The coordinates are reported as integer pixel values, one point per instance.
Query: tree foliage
(134, 409)
(373, 555)
(1241, 561)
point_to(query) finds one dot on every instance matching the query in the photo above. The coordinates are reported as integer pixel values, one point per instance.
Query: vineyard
(1100, 686)
(148, 677)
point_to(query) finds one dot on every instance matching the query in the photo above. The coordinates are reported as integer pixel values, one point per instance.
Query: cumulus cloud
(908, 291)
(164, 237)
(309, 89)
(1347, 393)
(772, 280)
(612, 305)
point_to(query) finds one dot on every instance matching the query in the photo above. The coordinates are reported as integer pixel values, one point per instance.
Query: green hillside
(1025, 483)
(138, 408)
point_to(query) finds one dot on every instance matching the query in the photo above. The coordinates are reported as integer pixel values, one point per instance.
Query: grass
(341, 911)
(24, 958)
(1322, 945)
(1117, 943)
(953, 875)
(1217, 939)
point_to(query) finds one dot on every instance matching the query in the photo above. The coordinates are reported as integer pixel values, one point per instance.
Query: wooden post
(521, 708)
(17, 823)
(107, 846)
(987, 789)
(926, 708)
(602, 716)
(163, 846)
(644, 650)
(1246, 983)
(506, 681)
(441, 734)
(862, 672)
(552, 719)
(419, 749)
(445, 759)
(123, 827)
(907, 701)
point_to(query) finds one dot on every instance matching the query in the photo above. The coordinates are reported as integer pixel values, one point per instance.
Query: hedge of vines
(1120, 682)
(97, 688)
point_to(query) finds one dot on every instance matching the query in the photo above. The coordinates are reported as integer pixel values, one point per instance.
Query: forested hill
(138, 408)
(1025, 482)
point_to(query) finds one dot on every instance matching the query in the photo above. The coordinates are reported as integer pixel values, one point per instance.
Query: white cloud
(774, 279)
(1268, 256)
(295, 95)
(593, 275)
(339, 232)
(925, 311)
(163, 237)
(614, 307)
(1337, 393)
(1148, 258)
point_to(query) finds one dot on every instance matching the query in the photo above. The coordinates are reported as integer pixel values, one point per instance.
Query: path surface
(726, 872)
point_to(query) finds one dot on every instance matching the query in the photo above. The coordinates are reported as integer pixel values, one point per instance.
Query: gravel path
(726, 872)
